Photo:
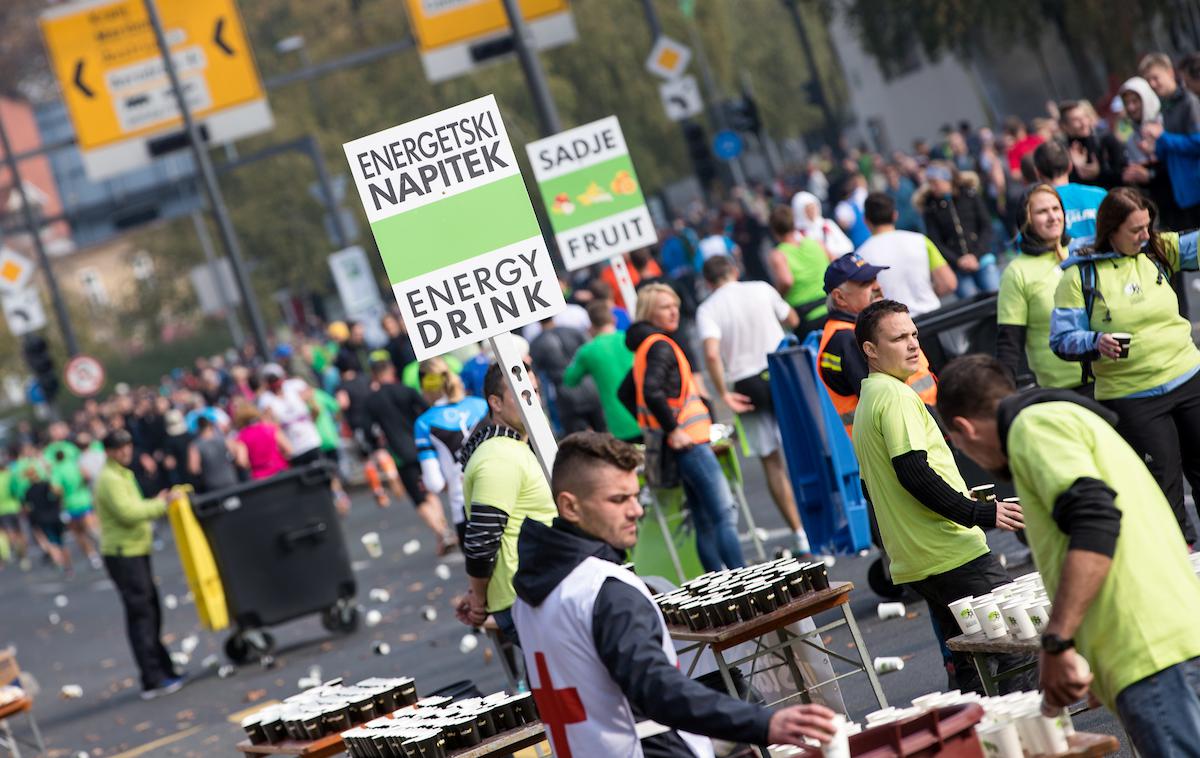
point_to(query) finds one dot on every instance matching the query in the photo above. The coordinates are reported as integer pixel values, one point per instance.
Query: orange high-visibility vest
(922, 381)
(690, 412)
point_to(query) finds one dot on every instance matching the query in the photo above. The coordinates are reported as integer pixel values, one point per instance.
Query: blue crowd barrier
(821, 461)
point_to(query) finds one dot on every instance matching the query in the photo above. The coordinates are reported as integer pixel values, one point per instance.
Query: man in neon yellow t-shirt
(930, 528)
(1106, 544)
(503, 484)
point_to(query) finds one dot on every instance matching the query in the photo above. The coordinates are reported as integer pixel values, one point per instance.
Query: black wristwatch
(1053, 644)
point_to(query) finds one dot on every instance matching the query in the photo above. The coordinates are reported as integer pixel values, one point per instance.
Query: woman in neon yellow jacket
(1027, 295)
(1115, 307)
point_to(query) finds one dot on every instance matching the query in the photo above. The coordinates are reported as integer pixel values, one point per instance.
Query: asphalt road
(87, 646)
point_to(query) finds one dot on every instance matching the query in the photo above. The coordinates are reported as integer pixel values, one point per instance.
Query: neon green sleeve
(1012, 309)
(1069, 293)
(1170, 246)
(936, 259)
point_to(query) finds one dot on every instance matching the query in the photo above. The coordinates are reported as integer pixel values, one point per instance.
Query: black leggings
(1165, 432)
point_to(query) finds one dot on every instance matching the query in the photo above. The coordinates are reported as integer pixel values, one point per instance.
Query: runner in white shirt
(917, 274)
(740, 323)
(289, 403)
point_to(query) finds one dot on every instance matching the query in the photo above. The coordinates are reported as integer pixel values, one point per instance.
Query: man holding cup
(1125, 594)
(930, 528)
(596, 647)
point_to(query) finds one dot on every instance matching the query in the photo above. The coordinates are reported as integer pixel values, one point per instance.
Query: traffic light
(37, 356)
(743, 115)
(700, 152)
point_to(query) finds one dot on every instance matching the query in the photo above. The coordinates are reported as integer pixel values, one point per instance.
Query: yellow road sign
(112, 75)
(437, 23)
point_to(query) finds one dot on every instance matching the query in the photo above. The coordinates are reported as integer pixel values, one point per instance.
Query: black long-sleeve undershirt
(481, 543)
(628, 638)
(1087, 512)
(932, 491)
(1010, 347)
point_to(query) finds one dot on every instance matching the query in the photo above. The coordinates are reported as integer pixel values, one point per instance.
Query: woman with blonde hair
(664, 395)
(1027, 295)
(441, 431)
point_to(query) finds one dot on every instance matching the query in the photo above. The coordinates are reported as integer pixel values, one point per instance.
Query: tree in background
(1112, 33)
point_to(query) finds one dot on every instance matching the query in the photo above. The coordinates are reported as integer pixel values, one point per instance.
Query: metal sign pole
(209, 179)
(625, 283)
(537, 426)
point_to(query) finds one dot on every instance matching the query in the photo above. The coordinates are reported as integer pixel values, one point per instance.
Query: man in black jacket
(1096, 160)
(596, 647)
(394, 407)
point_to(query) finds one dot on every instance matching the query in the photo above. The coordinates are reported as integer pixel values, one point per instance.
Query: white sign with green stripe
(591, 193)
(454, 226)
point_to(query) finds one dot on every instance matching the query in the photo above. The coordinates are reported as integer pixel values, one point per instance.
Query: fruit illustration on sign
(623, 184)
(594, 194)
(562, 204)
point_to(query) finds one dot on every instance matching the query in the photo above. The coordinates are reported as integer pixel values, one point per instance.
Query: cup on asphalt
(1123, 339)
(965, 616)
(890, 611)
(991, 619)
(371, 542)
(888, 664)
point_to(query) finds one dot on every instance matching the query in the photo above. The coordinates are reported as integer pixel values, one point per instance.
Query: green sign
(591, 193)
(454, 226)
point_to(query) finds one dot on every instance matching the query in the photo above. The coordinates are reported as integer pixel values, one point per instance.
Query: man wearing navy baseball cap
(850, 284)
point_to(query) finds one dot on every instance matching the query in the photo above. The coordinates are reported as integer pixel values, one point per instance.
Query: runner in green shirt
(10, 518)
(607, 360)
(503, 484)
(930, 528)
(328, 410)
(797, 268)
(1027, 295)
(68, 478)
(1105, 541)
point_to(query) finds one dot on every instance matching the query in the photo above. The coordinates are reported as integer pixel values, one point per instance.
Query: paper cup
(991, 620)
(1054, 737)
(888, 664)
(1123, 339)
(1000, 740)
(983, 493)
(371, 542)
(839, 746)
(890, 611)
(1029, 729)
(1037, 615)
(1018, 621)
(965, 616)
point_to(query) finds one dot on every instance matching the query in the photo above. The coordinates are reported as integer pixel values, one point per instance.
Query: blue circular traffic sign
(727, 145)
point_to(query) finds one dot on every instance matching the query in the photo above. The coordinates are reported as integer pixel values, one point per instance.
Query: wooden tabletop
(505, 742)
(979, 643)
(502, 744)
(1087, 745)
(330, 744)
(727, 636)
(20, 705)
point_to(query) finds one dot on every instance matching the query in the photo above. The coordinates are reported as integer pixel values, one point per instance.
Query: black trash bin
(279, 549)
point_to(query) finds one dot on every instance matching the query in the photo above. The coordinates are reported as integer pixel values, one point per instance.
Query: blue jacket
(1182, 155)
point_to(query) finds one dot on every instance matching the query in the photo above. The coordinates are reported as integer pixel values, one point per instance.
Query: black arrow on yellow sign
(217, 37)
(79, 79)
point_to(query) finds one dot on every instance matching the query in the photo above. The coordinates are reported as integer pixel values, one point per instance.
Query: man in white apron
(596, 647)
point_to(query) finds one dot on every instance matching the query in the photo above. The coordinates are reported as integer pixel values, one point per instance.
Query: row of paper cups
(1020, 608)
(1014, 726)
